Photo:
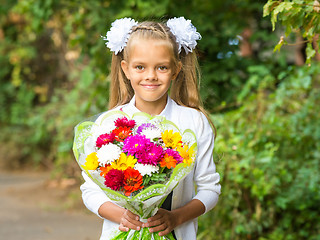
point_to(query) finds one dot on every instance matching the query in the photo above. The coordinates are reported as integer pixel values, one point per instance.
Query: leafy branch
(296, 16)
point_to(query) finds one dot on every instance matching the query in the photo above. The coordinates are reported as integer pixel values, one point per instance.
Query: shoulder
(192, 118)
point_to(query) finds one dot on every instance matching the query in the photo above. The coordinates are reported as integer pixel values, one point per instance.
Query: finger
(158, 228)
(131, 220)
(135, 225)
(165, 232)
(155, 217)
(154, 223)
(123, 228)
(131, 215)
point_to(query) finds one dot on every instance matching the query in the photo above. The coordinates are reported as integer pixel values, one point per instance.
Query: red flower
(124, 122)
(121, 133)
(114, 179)
(104, 139)
(132, 181)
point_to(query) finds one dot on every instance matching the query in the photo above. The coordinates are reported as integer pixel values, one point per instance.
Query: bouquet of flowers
(136, 161)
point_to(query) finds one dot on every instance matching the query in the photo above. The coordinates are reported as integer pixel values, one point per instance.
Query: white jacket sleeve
(92, 195)
(205, 176)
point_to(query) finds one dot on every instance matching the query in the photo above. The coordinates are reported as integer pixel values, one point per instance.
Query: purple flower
(174, 154)
(145, 126)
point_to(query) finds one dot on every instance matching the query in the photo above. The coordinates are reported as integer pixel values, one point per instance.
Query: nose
(151, 74)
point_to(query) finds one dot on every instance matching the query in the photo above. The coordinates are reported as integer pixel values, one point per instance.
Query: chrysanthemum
(146, 169)
(124, 122)
(104, 139)
(114, 179)
(168, 161)
(124, 162)
(149, 130)
(121, 133)
(132, 181)
(170, 139)
(152, 154)
(91, 162)
(108, 153)
(134, 144)
(174, 154)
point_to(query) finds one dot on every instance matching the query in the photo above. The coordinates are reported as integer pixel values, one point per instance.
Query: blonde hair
(184, 89)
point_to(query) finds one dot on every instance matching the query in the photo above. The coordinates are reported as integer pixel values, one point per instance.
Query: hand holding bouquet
(136, 161)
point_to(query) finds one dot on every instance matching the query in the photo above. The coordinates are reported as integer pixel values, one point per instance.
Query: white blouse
(203, 178)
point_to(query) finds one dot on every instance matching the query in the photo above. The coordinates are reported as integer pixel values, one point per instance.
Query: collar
(165, 112)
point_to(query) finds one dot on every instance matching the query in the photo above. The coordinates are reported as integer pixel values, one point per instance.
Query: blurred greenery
(54, 73)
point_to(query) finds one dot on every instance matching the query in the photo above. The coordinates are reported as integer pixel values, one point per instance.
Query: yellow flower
(124, 162)
(170, 139)
(186, 153)
(91, 162)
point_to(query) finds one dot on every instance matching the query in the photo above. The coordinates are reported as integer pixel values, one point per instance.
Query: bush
(267, 153)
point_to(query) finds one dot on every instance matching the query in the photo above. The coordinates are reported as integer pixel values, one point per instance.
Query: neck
(152, 108)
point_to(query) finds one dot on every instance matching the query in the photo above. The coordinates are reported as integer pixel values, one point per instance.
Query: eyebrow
(160, 63)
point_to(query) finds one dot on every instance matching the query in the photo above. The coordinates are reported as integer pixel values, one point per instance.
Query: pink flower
(135, 144)
(104, 139)
(114, 179)
(124, 122)
(152, 154)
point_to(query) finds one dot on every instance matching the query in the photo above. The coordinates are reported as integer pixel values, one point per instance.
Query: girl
(151, 61)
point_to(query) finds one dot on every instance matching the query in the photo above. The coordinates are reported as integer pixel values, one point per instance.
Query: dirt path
(33, 208)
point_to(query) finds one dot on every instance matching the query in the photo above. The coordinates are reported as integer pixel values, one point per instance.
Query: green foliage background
(54, 73)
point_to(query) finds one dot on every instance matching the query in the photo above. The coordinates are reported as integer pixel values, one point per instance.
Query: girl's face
(150, 71)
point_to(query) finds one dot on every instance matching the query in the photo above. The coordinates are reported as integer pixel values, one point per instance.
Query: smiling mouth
(150, 86)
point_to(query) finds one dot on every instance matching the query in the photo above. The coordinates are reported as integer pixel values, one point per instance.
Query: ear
(176, 73)
(125, 66)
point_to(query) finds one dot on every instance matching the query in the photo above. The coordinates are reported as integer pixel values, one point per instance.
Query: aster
(124, 122)
(132, 181)
(134, 144)
(146, 169)
(108, 153)
(124, 162)
(151, 133)
(105, 139)
(151, 155)
(114, 179)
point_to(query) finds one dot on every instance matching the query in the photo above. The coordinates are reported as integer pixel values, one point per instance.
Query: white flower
(146, 169)
(151, 133)
(119, 34)
(186, 34)
(108, 153)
